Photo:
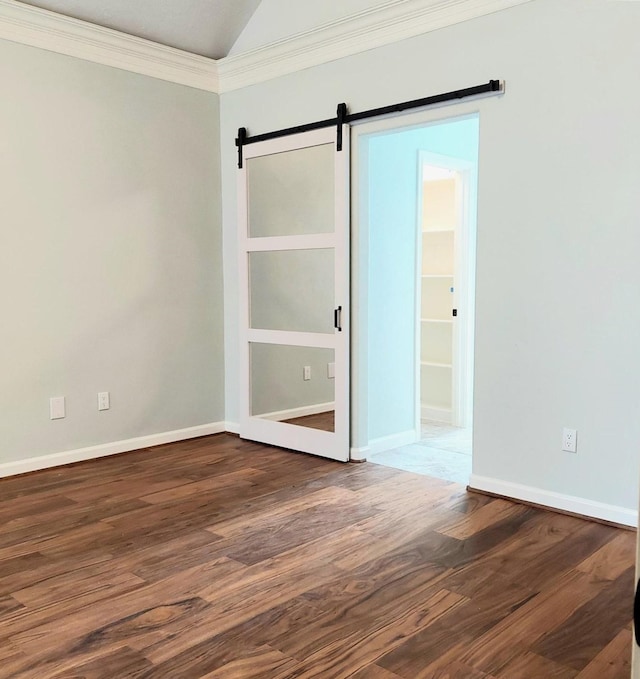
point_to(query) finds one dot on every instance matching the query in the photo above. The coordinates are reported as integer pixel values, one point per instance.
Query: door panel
(292, 192)
(275, 379)
(294, 296)
(292, 290)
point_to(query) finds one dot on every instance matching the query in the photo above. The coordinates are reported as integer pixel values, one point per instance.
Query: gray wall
(558, 281)
(110, 254)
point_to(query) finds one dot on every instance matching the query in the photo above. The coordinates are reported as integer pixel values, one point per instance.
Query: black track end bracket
(341, 119)
(240, 142)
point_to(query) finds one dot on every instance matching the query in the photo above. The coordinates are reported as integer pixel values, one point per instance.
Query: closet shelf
(436, 275)
(436, 320)
(436, 365)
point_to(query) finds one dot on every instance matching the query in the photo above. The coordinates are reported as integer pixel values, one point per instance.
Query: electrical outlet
(569, 440)
(331, 370)
(103, 400)
(306, 373)
(57, 409)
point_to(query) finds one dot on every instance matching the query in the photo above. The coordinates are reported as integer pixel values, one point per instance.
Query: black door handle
(337, 319)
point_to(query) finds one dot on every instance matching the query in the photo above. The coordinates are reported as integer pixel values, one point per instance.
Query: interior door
(293, 218)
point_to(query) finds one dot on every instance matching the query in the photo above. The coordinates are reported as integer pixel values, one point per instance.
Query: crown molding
(57, 33)
(382, 25)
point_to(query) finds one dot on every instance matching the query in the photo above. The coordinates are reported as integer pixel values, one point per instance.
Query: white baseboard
(359, 454)
(547, 498)
(232, 427)
(379, 445)
(436, 414)
(303, 411)
(81, 454)
(280, 415)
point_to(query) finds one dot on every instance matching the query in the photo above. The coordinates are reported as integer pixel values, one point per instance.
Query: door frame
(464, 240)
(361, 445)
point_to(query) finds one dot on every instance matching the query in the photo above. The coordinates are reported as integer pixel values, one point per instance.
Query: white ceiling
(211, 28)
(206, 27)
(225, 45)
(276, 20)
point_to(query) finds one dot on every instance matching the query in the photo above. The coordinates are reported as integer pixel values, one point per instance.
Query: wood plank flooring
(218, 558)
(324, 421)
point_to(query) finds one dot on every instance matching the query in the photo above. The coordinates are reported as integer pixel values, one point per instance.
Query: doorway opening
(420, 187)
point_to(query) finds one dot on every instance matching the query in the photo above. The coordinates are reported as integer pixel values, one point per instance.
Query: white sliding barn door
(293, 222)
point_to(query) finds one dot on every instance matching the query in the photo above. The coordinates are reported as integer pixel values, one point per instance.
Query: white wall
(557, 276)
(110, 254)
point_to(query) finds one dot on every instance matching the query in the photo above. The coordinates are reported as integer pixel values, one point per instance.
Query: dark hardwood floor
(225, 559)
(325, 421)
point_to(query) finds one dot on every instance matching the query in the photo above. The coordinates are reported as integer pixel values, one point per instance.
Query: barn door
(294, 292)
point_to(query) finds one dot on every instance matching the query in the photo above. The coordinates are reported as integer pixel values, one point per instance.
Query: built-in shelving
(436, 321)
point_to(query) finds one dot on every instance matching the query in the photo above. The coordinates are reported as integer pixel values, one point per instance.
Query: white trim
(57, 33)
(316, 241)
(81, 454)
(417, 312)
(382, 25)
(302, 411)
(404, 438)
(548, 498)
(359, 454)
(359, 294)
(388, 23)
(232, 427)
(436, 414)
(299, 339)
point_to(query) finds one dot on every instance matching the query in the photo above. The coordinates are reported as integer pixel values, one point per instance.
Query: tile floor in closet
(443, 451)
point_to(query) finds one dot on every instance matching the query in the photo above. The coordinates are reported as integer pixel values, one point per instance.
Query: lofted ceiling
(225, 45)
(205, 27)
(238, 29)
(210, 28)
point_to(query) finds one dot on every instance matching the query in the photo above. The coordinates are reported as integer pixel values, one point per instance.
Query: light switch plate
(103, 400)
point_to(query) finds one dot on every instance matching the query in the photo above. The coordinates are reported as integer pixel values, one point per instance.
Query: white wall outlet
(306, 373)
(103, 400)
(331, 370)
(57, 408)
(569, 440)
